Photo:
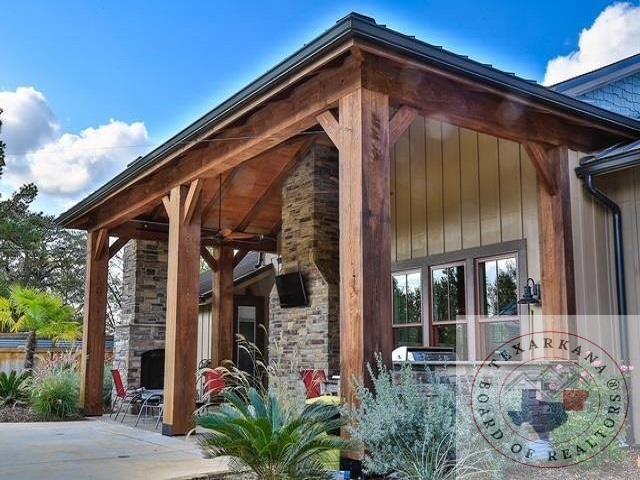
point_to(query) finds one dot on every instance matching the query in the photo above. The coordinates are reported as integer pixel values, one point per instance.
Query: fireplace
(152, 369)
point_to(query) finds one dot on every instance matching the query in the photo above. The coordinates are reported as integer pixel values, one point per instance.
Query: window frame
(421, 324)
(469, 258)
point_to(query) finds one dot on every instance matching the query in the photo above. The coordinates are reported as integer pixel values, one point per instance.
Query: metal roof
(250, 266)
(586, 82)
(358, 27)
(611, 159)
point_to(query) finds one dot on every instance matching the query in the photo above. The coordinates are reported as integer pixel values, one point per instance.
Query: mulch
(26, 414)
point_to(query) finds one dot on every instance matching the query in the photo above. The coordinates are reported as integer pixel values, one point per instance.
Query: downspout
(621, 286)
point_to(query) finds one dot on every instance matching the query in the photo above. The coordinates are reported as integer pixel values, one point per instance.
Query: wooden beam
(167, 203)
(556, 247)
(212, 202)
(117, 245)
(540, 159)
(365, 236)
(268, 127)
(93, 330)
(275, 186)
(239, 255)
(193, 197)
(101, 243)
(208, 258)
(331, 126)
(182, 315)
(400, 121)
(222, 346)
(459, 103)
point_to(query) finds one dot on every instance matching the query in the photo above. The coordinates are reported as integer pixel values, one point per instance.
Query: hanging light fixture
(531, 294)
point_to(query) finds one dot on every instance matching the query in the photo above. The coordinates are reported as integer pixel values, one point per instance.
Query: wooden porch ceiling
(252, 155)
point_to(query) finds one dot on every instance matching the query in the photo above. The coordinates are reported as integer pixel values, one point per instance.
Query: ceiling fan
(226, 234)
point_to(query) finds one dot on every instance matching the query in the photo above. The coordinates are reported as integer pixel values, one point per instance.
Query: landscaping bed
(26, 414)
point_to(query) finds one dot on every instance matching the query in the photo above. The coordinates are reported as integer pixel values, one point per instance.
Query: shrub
(411, 431)
(268, 440)
(107, 385)
(57, 395)
(13, 388)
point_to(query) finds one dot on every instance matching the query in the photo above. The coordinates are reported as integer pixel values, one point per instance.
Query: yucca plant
(261, 436)
(13, 388)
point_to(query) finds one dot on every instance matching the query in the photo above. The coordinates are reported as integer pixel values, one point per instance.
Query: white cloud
(614, 35)
(64, 166)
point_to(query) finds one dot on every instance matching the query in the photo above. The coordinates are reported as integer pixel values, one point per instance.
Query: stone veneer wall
(142, 323)
(309, 243)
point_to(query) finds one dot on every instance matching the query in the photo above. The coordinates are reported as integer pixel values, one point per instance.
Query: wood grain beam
(222, 346)
(101, 242)
(220, 192)
(331, 126)
(275, 186)
(211, 262)
(116, 246)
(183, 274)
(459, 103)
(539, 155)
(94, 325)
(269, 126)
(239, 255)
(400, 121)
(365, 236)
(193, 197)
(556, 247)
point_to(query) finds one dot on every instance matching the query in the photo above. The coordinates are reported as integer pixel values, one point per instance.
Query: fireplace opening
(152, 369)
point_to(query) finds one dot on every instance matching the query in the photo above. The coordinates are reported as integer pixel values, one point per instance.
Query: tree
(40, 314)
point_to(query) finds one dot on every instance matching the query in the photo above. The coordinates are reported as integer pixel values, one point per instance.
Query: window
(497, 302)
(471, 300)
(448, 308)
(407, 308)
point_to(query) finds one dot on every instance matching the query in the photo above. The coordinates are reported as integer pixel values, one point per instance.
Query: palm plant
(261, 436)
(40, 314)
(13, 388)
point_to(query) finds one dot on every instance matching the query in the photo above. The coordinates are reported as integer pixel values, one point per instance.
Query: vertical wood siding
(454, 188)
(595, 274)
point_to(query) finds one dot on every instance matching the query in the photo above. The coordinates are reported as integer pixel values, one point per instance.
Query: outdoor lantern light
(530, 293)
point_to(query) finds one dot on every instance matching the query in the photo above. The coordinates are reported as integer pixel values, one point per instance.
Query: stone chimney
(309, 244)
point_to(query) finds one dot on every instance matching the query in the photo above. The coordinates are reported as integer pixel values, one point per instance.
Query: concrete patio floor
(97, 449)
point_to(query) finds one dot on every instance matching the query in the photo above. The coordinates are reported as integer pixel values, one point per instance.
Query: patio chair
(123, 395)
(151, 402)
(314, 382)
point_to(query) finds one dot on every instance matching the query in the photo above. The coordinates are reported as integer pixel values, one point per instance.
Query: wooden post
(365, 235)
(222, 341)
(182, 311)
(556, 247)
(93, 333)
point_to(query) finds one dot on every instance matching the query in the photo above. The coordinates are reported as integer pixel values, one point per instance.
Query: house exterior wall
(309, 337)
(594, 267)
(622, 96)
(453, 189)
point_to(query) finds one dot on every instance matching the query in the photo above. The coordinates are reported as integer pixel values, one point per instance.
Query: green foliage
(57, 395)
(13, 388)
(262, 436)
(412, 432)
(32, 310)
(107, 385)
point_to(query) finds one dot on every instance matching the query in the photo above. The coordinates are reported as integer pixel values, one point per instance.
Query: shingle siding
(622, 96)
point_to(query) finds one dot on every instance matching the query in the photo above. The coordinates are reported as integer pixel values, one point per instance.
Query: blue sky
(165, 63)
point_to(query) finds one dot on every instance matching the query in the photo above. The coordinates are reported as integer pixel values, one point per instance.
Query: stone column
(142, 324)
(309, 337)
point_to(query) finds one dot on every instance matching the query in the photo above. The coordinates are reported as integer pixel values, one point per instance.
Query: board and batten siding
(453, 189)
(595, 271)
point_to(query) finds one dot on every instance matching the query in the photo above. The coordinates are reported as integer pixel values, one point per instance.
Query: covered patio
(215, 190)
